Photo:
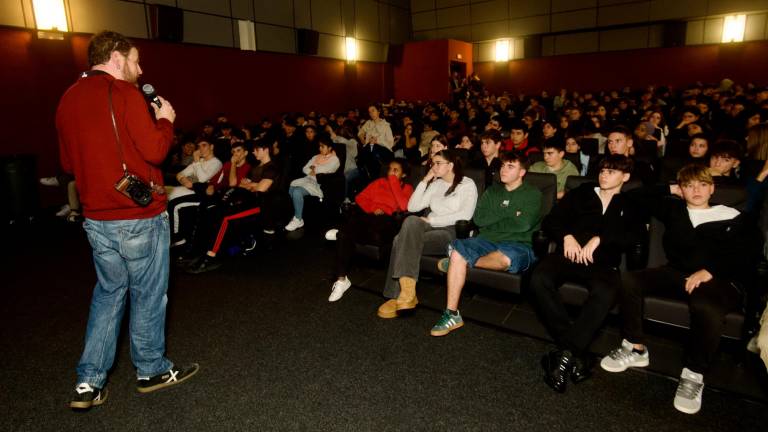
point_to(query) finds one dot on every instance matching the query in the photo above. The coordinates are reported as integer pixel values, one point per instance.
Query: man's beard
(129, 76)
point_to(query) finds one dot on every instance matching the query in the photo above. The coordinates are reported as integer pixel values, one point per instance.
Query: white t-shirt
(712, 214)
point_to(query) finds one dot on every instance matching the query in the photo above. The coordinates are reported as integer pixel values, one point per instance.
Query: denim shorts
(471, 249)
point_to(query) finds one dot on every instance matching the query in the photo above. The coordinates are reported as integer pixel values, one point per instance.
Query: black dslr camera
(135, 189)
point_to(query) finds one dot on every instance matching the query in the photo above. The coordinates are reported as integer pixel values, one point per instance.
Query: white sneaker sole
(640, 364)
(687, 410)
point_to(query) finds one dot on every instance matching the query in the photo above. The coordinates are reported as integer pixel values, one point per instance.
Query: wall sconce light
(733, 28)
(502, 50)
(50, 19)
(351, 49)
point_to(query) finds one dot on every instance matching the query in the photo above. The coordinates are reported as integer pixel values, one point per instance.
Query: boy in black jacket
(593, 225)
(707, 252)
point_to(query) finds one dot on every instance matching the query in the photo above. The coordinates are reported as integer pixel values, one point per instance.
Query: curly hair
(103, 43)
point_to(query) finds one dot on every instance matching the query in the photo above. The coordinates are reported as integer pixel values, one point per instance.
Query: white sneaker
(294, 224)
(689, 391)
(63, 211)
(49, 181)
(339, 288)
(331, 234)
(624, 357)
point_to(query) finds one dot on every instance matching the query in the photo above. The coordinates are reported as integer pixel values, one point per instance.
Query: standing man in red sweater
(107, 136)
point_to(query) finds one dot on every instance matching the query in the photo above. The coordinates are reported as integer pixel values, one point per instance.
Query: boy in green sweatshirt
(507, 215)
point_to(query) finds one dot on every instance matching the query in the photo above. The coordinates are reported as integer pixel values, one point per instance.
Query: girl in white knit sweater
(448, 197)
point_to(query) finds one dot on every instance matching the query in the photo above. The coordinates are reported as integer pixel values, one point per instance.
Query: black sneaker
(87, 396)
(204, 264)
(175, 375)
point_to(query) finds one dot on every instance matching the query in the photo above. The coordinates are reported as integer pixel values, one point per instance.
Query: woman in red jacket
(371, 221)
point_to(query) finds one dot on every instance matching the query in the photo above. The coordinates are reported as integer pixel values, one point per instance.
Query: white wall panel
(462, 33)
(529, 26)
(424, 21)
(490, 30)
(12, 14)
(450, 3)
(422, 5)
(524, 8)
(92, 16)
(734, 6)
(623, 14)
(489, 11)
(675, 9)
(367, 20)
(207, 6)
(242, 9)
(274, 12)
(331, 46)
(302, 14)
(755, 28)
(574, 20)
(451, 17)
(273, 38)
(713, 30)
(568, 5)
(694, 32)
(326, 16)
(207, 29)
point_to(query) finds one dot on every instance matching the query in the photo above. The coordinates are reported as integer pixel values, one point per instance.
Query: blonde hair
(757, 142)
(694, 172)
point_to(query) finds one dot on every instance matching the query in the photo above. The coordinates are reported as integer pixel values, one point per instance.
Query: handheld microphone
(151, 94)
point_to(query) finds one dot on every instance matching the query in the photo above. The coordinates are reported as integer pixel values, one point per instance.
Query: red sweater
(221, 180)
(386, 194)
(88, 148)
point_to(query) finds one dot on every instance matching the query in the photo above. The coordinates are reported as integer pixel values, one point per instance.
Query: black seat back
(589, 146)
(547, 184)
(572, 182)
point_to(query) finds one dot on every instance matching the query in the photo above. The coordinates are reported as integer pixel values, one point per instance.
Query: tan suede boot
(388, 309)
(407, 298)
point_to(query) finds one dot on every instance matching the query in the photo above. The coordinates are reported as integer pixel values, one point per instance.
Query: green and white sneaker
(448, 322)
(689, 391)
(443, 265)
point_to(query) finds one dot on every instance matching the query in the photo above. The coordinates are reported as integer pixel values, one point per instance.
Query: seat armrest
(541, 244)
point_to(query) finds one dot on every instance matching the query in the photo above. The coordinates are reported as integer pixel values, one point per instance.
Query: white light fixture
(50, 18)
(247, 35)
(733, 28)
(351, 49)
(502, 50)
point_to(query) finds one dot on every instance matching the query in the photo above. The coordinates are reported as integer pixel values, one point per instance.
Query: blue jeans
(297, 196)
(471, 249)
(131, 257)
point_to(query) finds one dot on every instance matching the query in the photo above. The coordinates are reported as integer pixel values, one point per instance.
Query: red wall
(422, 73)
(423, 68)
(199, 81)
(743, 62)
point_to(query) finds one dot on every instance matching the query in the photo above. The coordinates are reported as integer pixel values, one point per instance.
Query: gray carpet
(275, 355)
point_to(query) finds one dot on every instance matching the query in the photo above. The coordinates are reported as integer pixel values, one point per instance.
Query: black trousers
(708, 304)
(363, 228)
(210, 215)
(603, 285)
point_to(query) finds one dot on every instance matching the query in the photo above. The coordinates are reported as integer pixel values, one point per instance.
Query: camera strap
(114, 128)
(117, 137)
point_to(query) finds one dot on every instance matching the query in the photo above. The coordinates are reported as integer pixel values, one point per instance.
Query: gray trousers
(415, 238)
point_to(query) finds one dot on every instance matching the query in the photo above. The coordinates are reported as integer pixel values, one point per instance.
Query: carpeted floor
(275, 355)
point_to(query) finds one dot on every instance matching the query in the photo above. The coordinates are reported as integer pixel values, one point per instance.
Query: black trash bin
(18, 187)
